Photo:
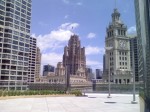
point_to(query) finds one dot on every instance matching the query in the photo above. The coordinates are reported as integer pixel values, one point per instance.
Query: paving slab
(92, 103)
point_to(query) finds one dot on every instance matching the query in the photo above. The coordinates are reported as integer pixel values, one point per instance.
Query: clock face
(122, 44)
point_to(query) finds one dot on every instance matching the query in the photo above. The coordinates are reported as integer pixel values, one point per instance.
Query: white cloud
(51, 58)
(69, 26)
(89, 50)
(56, 38)
(91, 35)
(70, 2)
(132, 30)
(94, 64)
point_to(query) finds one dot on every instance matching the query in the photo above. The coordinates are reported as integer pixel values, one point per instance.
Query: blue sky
(52, 22)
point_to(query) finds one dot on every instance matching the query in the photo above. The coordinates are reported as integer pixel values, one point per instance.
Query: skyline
(53, 30)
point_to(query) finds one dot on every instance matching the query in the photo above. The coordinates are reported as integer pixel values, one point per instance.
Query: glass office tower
(142, 8)
(15, 17)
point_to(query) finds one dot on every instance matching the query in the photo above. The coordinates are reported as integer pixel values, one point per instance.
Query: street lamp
(133, 74)
(108, 48)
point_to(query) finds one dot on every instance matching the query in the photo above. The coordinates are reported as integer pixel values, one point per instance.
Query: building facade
(15, 18)
(38, 64)
(74, 60)
(90, 74)
(32, 60)
(98, 73)
(134, 50)
(48, 69)
(142, 12)
(117, 52)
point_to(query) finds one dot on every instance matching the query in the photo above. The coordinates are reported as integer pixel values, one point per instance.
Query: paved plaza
(92, 103)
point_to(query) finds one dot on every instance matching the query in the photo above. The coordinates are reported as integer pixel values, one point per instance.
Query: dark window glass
(15, 47)
(21, 44)
(7, 45)
(1, 23)
(15, 42)
(6, 51)
(2, 7)
(8, 35)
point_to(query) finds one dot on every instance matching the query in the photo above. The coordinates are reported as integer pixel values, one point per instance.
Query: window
(15, 37)
(16, 27)
(15, 42)
(7, 45)
(15, 47)
(20, 63)
(14, 57)
(4, 72)
(14, 52)
(14, 62)
(21, 48)
(21, 44)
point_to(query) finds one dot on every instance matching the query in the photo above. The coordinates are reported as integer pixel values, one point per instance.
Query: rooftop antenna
(115, 4)
(72, 28)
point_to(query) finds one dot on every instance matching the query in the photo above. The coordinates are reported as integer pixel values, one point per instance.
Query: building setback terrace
(92, 103)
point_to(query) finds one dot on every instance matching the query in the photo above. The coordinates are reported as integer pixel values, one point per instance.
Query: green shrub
(76, 92)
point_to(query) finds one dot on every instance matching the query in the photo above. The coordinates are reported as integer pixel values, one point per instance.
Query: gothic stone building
(74, 60)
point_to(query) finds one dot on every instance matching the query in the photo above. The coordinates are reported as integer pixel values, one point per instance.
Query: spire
(115, 16)
(115, 4)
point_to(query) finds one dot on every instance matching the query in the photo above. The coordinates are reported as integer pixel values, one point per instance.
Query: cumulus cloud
(56, 38)
(69, 26)
(53, 41)
(90, 50)
(70, 2)
(94, 64)
(91, 35)
(51, 58)
(132, 30)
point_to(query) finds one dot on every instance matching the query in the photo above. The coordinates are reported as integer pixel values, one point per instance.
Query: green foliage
(76, 92)
(28, 92)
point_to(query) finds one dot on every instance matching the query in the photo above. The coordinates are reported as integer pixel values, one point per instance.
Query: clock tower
(117, 52)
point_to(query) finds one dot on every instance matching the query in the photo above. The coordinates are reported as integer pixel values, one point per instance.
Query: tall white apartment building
(15, 18)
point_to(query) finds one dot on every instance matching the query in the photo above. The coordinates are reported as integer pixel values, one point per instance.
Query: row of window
(14, 32)
(122, 53)
(7, 40)
(15, 52)
(21, 21)
(21, 12)
(19, 2)
(123, 63)
(14, 63)
(117, 32)
(123, 58)
(13, 72)
(18, 7)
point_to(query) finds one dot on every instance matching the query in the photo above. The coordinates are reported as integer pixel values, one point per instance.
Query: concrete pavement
(92, 103)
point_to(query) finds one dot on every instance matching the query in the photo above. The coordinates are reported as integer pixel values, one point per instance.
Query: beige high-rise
(38, 65)
(117, 54)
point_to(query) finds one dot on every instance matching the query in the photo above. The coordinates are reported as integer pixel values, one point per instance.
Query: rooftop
(92, 103)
